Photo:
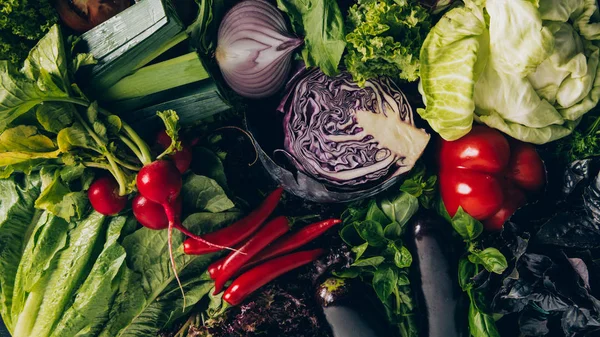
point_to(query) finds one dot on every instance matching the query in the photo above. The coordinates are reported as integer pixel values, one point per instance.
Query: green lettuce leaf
(448, 70)
(47, 240)
(529, 69)
(58, 199)
(140, 309)
(385, 38)
(17, 216)
(322, 25)
(94, 298)
(71, 269)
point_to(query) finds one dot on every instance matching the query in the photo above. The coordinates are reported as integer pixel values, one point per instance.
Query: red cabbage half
(346, 137)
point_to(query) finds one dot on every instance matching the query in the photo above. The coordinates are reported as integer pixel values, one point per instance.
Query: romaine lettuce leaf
(71, 269)
(17, 216)
(89, 311)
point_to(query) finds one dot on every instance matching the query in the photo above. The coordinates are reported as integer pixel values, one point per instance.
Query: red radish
(163, 139)
(183, 158)
(152, 215)
(160, 182)
(104, 196)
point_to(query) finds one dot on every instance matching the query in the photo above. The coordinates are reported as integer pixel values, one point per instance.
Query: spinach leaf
(322, 25)
(200, 192)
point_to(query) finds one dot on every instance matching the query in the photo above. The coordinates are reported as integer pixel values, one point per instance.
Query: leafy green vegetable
(204, 193)
(481, 324)
(385, 39)
(96, 276)
(22, 23)
(17, 215)
(374, 230)
(544, 55)
(322, 25)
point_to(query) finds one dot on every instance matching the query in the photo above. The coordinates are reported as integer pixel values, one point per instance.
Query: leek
(158, 77)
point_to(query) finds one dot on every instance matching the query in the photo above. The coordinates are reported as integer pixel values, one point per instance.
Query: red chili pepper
(238, 231)
(292, 241)
(236, 260)
(284, 245)
(258, 276)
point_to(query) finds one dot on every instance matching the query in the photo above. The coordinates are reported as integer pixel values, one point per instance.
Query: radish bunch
(157, 205)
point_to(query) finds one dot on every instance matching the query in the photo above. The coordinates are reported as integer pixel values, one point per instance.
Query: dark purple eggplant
(434, 276)
(350, 311)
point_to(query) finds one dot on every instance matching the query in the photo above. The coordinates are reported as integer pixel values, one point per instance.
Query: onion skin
(254, 49)
(83, 15)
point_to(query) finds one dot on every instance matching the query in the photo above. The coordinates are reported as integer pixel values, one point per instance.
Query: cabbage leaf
(530, 71)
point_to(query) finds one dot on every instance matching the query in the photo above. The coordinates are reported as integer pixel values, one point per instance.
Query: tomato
(487, 175)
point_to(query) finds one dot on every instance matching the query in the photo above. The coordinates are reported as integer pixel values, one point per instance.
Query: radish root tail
(172, 223)
(185, 231)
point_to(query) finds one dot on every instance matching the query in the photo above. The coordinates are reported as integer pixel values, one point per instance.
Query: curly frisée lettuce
(347, 136)
(527, 68)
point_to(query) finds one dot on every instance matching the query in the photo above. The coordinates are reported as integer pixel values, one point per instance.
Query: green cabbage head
(527, 68)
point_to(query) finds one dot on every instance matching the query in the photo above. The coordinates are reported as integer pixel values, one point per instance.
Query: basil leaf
(466, 272)
(374, 262)
(350, 236)
(401, 208)
(402, 258)
(347, 273)
(466, 226)
(491, 258)
(371, 231)
(360, 250)
(322, 25)
(480, 324)
(393, 231)
(384, 282)
(376, 214)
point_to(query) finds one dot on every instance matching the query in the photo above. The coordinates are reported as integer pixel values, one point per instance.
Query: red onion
(254, 49)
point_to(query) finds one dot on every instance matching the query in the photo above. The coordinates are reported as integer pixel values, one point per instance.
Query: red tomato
(487, 176)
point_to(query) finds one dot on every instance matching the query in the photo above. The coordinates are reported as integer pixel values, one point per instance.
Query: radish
(160, 182)
(104, 196)
(152, 215)
(181, 158)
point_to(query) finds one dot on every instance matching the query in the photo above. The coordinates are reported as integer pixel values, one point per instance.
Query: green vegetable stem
(481, 324)
(45, 120)
(374, 230)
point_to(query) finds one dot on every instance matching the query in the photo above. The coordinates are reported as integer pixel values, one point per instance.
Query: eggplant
(350, 311)
(434, 274)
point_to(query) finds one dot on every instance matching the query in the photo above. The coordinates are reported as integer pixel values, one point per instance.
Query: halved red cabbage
(347, 136)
